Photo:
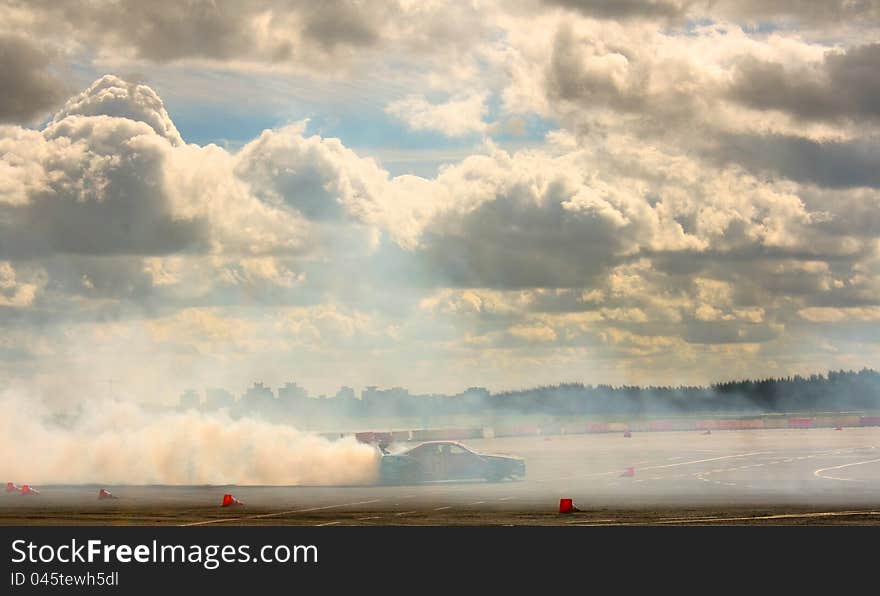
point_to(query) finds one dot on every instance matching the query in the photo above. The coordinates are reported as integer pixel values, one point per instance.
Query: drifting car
(436, 461)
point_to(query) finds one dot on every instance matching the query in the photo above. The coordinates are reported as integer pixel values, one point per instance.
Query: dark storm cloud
(27, 88)
(845, 86)
(846, 164)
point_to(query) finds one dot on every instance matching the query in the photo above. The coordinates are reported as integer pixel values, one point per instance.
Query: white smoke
(121, 443)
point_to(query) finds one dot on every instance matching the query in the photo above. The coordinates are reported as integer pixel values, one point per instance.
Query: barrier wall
(665, 425)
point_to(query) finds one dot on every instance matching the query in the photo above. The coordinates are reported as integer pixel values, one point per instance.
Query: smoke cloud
(122, 443)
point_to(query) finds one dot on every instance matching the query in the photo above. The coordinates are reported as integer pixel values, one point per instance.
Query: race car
(435, 461)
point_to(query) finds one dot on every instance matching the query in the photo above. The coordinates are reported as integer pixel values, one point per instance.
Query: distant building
(345, 393)
(291, 392)
(394, 401)
(258, 398)
(217, 398)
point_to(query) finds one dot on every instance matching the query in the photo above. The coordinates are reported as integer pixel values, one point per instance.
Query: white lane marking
(818, 473)
(405, 513)
(778, 516)
(442, 508)
(505, 498)
(369, 517)
(685, 520)
(279, 513)
(477, 503)
(700, 461)
(333, 523)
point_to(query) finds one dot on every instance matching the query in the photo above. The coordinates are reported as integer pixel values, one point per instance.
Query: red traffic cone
(106, 494)
(229, 500)
(628, 472)
(838, 427)
(627, 434)
(11, 488)
(567, 506)
(28, 490)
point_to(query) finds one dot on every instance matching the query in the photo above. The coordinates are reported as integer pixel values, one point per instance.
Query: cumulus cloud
(320, 178)
(112, 96)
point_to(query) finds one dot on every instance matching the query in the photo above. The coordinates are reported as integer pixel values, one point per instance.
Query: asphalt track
(741, 477)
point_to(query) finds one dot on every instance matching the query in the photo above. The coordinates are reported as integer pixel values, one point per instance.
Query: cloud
(457, 117)
(605, 246)
(320, 178)
(809, 11)
(623, 9)
(314, 37)
(17, 290)
(803, 11)
(844, 85)
(832, 164)
(112, 96)
(342, 22)
(102, 192)
(29, 87)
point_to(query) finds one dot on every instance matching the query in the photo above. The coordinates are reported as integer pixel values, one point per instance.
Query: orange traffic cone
(11, 488)
(628, 472)
(28, 490)
(229, 500)
(106, 494)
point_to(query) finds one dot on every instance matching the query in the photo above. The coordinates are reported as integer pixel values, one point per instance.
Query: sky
(435, 195)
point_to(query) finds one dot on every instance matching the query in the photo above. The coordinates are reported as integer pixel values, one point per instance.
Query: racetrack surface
(770, 476)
